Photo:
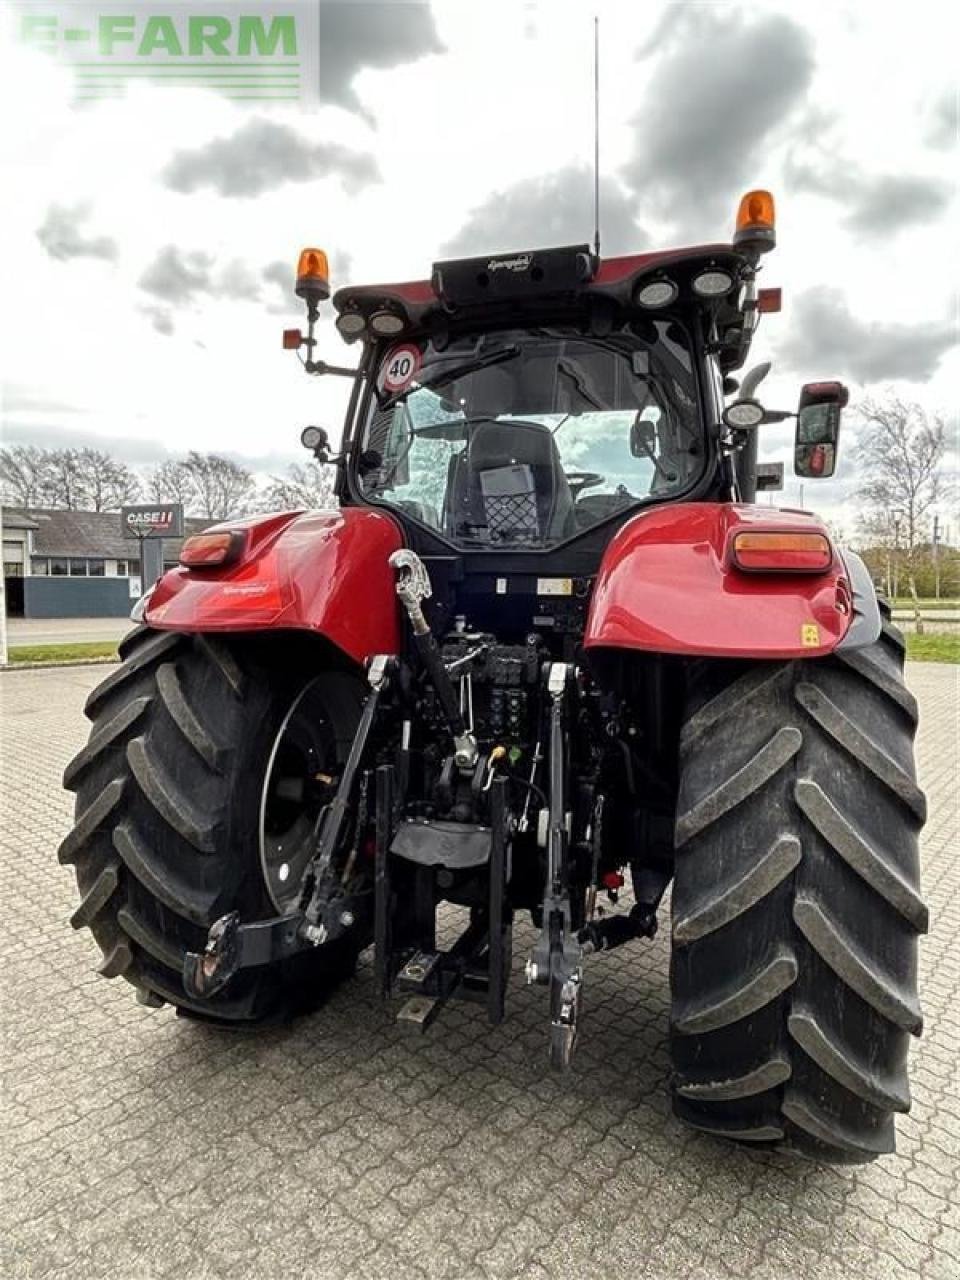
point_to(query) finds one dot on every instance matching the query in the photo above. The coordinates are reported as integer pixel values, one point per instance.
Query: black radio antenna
(596, 136)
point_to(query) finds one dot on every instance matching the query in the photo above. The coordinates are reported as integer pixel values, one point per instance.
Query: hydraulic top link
(413, 586)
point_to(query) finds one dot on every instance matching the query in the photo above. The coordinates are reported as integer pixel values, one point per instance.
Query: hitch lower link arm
(556, 956)
(231, 945)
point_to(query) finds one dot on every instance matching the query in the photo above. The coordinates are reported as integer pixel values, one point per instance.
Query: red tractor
(547, 640)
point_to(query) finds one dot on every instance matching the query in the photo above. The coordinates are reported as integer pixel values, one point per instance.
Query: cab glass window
(525, 438)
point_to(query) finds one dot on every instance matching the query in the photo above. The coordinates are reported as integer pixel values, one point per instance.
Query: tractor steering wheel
(581, 480)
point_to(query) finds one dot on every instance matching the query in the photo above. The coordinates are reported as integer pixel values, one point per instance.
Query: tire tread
(161, 842)
(796, 901)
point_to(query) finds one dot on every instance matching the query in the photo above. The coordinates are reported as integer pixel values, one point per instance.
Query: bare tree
(207, 484)
(222, 487)
(171, 482)
(67, 487)
(105, 483)
(307, 486)
(899, 454)
(26, 478)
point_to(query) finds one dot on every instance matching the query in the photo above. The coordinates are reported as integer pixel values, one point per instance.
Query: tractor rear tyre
(197, 794)
(796, 904)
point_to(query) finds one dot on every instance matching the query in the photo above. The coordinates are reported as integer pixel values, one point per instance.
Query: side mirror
(818, 429)
(643, 438)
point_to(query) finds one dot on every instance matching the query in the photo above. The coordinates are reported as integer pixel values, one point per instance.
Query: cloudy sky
(151, 235)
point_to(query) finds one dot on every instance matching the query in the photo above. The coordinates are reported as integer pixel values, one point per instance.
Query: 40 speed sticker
(400, 366)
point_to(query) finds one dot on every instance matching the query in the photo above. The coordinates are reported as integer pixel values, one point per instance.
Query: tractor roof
(500, 289)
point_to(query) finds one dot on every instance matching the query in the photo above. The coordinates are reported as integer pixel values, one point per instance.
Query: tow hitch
(232, 946)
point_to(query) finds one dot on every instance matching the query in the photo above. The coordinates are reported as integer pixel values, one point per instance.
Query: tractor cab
(533, 402)
(516, 403)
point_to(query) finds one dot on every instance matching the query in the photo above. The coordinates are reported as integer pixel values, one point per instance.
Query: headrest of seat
(499, 444)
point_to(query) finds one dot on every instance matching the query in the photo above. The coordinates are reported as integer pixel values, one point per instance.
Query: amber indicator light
(313, 276)
(312, 264)
(782, 552)
(756, 210)
(206, 550)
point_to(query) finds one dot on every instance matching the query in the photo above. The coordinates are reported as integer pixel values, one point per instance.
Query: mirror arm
(319, 368)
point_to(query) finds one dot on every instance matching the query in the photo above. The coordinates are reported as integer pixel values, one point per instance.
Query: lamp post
(3, 604)
(897, 517)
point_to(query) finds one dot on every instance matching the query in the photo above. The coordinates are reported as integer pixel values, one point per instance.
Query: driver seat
(509, 479)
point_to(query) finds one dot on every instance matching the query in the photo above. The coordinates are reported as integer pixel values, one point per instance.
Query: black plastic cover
(866, 624)
(531, 272)
(442, 844)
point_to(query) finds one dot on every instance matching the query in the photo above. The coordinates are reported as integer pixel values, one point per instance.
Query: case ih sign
(153, 521)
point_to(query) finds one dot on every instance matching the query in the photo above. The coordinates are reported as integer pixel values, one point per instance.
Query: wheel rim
(295, 792)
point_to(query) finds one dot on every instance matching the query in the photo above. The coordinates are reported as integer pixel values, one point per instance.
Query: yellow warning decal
(810, 635)
(554, 586)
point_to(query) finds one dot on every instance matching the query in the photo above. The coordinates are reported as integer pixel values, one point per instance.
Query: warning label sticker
(810, 635)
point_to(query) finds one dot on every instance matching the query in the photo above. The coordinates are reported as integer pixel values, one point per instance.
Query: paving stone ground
(136, 1144)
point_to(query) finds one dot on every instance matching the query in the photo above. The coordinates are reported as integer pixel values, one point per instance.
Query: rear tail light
(211, 550)
(782, 552)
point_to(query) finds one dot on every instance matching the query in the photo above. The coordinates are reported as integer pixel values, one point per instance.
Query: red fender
(667, 583)
(321, 571)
